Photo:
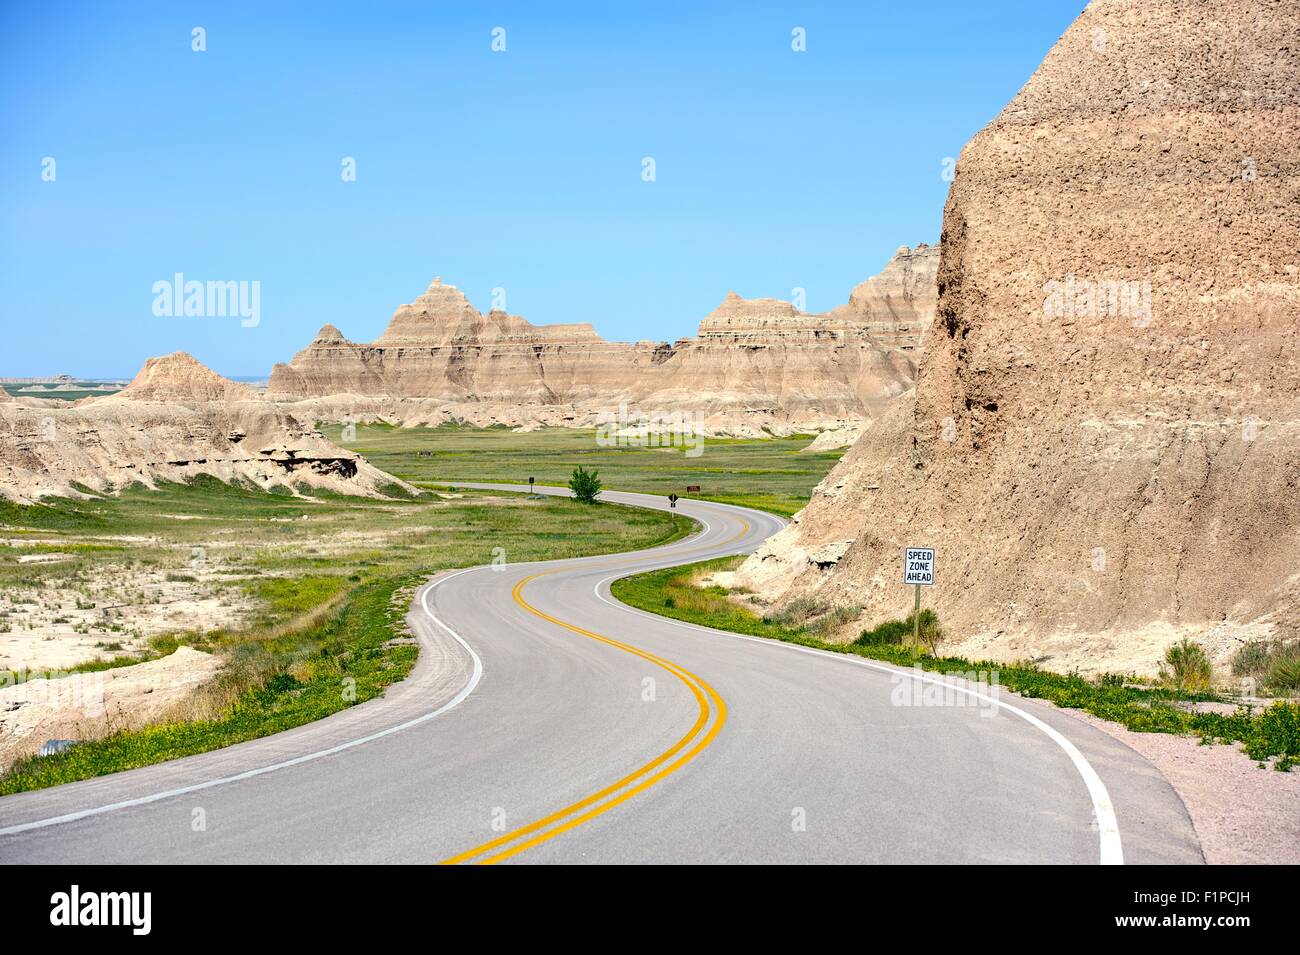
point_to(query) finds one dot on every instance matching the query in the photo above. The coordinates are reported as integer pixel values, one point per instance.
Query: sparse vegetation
(903, 633)
(1273, 666)
(797, 612)
(321, 584)
(1270, 734)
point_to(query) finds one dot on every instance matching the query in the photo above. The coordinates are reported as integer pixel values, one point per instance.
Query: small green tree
(585, 485)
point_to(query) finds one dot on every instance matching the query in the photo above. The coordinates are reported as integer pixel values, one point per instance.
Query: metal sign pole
(916, 619)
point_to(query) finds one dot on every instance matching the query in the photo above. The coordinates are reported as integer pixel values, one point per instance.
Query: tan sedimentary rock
(898, 305)
(441, 347)
(1104, 440)
(180, 378)
(83, 706)
(756, 366)
(176, 420)
(764, 356)
(836, 439)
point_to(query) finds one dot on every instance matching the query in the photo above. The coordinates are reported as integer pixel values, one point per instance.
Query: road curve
(545, 722)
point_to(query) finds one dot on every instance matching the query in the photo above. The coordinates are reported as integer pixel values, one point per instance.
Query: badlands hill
(756, 365)
(178, 377)
(176, 420)
(897, 306)
(1104, 440)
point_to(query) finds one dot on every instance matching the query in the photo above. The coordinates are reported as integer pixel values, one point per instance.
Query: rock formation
(179, 378)
(762, 357)
(756, 366)
(897, 306)
(1104, 440)
(176, 420)
(441, 347)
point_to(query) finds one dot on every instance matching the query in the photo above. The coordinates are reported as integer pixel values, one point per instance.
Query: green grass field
(327, 581)
(773, 474)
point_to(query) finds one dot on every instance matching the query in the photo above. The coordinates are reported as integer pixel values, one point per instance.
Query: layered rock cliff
(897, 306)
(1104, 440)
(756, 365)
(441, 347)
(763, 357)
(176, 420)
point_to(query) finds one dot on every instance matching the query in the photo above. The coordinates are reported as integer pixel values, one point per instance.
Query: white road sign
(918, 566)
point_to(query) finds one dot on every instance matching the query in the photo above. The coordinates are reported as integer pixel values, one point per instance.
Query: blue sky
(519, 170)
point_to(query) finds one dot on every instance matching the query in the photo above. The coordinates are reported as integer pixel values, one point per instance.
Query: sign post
(530, 486)
(918, 569)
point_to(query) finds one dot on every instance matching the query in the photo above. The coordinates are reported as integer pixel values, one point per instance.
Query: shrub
(1251, 658)
(796, 612)
(931, 632)
(1273, 665)
(585, 485)
(889, 633)
(1188, 667)
(902, 632)
(829, 622)
(1284, 672)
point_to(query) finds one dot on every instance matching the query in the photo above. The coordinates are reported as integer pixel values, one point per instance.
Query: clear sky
(520, 170)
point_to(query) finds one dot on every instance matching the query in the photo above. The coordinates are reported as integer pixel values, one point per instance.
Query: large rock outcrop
(764, 357)
(441, 347)
(176, 420)
(1104, 440)
(756, 365)
(898, 305)
(180, 378)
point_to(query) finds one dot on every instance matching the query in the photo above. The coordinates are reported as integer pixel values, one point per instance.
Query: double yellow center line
(712, 715)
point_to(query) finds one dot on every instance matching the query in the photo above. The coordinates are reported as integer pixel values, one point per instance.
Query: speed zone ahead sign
(918, 566)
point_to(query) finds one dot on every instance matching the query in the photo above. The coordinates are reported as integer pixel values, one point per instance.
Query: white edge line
(459, 698)
(1111, 846)
(456, 700)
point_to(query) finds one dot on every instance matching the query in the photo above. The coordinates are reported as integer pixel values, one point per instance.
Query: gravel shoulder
(1243, 815)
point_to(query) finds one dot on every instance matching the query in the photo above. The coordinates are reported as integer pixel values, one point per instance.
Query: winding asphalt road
(545, 722)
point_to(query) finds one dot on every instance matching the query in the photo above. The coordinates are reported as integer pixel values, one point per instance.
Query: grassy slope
(330, 580)
(773, 474)
(1272, 733)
